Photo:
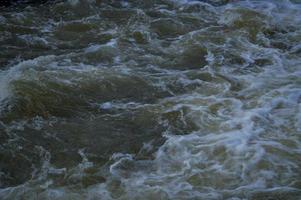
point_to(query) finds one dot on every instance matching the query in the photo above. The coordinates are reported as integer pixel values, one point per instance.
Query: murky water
(154, 99)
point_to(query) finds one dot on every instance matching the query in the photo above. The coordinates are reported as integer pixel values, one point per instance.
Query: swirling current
(151, 99)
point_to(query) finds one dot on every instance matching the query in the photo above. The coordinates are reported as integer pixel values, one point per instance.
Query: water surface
(156, 99)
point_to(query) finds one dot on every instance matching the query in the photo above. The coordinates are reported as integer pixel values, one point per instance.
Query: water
(157, 99)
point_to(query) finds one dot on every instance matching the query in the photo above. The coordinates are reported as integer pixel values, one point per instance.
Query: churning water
(153, 99)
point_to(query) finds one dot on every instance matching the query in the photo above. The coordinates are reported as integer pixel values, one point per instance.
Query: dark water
(154, 99)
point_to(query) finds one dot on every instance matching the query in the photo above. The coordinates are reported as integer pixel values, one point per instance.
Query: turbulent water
(153, 99)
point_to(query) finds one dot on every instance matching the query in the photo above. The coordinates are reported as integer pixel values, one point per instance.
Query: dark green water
(154, 99)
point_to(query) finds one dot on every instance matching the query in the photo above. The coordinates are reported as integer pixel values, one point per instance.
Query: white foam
(96, 47)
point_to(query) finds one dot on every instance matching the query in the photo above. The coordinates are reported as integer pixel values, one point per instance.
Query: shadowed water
(157, 99)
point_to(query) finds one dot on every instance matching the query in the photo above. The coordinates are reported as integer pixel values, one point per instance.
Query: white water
(233, 129)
